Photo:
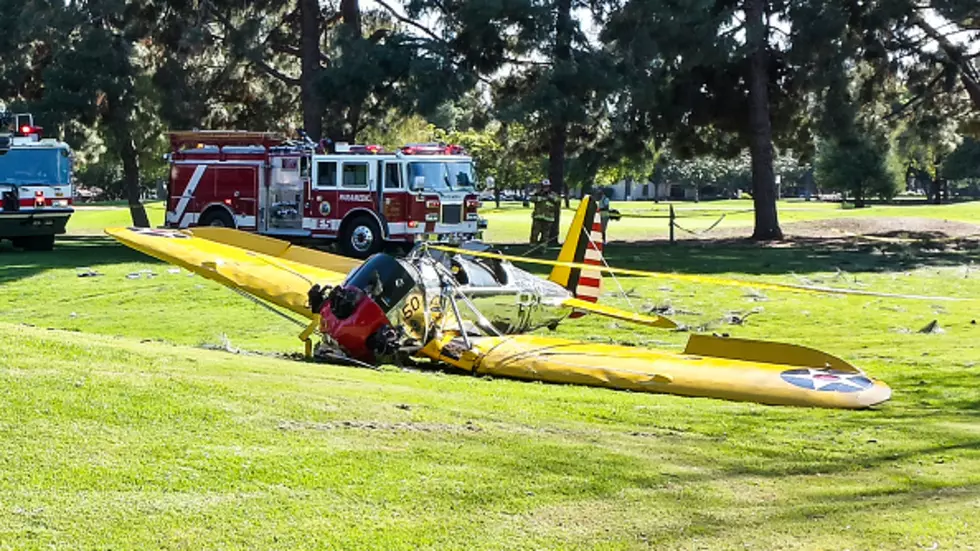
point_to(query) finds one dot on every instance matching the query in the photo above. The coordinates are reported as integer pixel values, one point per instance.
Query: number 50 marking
(411, 307)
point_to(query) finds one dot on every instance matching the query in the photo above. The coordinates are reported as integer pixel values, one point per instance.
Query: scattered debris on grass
(755, 296)
(149, 274)
(932, 328)
(87, 272)
(225, 346)
(402, 426)
(666, 308)
(738, 318)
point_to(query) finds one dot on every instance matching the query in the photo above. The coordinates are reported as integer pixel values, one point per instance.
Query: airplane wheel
(362, 238)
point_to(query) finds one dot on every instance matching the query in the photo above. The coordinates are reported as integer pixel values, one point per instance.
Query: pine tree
(350, 66)
(95, 79)
(550, 79)
(708, 74)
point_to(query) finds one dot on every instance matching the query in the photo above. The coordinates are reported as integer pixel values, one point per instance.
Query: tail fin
(583, 244)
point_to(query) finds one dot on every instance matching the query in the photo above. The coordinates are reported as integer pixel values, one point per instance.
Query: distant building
(639, 191)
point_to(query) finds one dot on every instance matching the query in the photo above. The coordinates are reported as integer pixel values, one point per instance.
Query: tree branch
(285, 49)
(408, 21)
(275, 73)
(517, 61)
(226, 22)
(332, 20)
(927, 91)
(377, 35)
(968, 74)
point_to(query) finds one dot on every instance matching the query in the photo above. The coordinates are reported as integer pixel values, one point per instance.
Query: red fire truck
(359, 196)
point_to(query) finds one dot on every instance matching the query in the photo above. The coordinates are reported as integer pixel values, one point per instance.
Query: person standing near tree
(546, 204)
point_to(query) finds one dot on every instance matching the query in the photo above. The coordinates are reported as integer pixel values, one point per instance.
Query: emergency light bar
(28, 131)
(22, 124)
(432, 149)
(342, 147)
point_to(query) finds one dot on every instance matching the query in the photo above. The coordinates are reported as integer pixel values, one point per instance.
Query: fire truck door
(394, 206)
(358, 184)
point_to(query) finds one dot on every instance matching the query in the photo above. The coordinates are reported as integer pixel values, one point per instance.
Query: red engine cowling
(351, 318)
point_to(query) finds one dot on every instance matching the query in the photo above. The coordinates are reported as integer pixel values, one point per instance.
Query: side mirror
(418, 183)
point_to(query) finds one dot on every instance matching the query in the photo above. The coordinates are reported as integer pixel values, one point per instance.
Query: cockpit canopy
(383, 278)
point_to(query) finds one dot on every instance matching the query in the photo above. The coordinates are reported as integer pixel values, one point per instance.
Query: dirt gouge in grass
(472, 309)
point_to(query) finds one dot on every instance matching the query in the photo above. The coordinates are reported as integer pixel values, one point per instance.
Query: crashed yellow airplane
(472, 309)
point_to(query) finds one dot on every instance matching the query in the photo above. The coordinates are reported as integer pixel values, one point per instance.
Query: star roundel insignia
(826, 380)
(154, 232)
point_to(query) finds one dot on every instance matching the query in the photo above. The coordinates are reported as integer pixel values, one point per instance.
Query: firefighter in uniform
(546, 203)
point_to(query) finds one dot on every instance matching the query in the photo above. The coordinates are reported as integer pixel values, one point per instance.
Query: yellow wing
(713, 367)
(270, 269)
(616, 313)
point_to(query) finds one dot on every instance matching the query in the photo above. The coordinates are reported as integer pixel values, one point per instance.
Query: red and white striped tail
(589, 285)
(590, 281)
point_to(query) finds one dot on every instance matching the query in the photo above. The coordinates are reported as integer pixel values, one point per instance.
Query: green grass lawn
(120, 429)
(643, 220)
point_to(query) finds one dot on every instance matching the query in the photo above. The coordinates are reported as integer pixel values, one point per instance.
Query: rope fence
(672, 216)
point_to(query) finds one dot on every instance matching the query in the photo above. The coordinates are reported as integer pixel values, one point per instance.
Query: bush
(860, 166)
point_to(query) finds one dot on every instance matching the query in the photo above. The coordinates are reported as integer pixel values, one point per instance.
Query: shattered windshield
(384, 279)
(35, 166)
(443, 176)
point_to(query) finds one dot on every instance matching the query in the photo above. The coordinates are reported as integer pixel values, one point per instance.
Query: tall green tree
(858, 166)
(98, 77)
(546, 75)
(709, 75)
(963, 163)
(349, 66)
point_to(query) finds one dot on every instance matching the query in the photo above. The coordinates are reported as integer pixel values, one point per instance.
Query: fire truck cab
(359, 196)
(35, 184)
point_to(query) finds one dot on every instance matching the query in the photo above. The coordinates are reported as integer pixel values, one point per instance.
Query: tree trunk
(935, 190)
(310, 68)
(559, 129)
(119, 126)
(760, 127)
(556, 170)
(350, 11)
(131, 176)
(859, 197)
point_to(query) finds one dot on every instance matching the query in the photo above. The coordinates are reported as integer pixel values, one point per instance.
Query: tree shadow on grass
(798, 255)
(70, 252)
(599, 472)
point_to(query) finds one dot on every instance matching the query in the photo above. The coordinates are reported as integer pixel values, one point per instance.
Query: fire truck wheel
(362, 237)
(37, 243)
(216, 217)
